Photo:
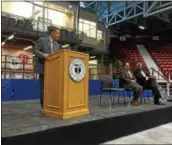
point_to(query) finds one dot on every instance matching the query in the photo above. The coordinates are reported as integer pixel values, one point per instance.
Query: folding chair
(107, 86)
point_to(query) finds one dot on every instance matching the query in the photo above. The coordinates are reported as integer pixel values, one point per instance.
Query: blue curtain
(19, 89)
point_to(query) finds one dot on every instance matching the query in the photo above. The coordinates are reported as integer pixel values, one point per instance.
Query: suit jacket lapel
(129, 74)
(56, 46)
(139, 71)
(126, 74)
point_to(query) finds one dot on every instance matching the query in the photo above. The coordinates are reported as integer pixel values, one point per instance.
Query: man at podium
(44, 47)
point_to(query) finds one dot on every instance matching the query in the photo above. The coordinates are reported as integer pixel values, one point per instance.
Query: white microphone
(65, 46)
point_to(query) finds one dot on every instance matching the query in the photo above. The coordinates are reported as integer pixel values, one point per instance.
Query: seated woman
(128, 81)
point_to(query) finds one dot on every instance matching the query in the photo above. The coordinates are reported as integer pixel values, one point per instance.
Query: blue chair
(107, 86)
(143, 96)
(149, 94)
(126, 92)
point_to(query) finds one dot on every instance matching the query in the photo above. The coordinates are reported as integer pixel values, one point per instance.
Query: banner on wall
(24, 58)
(13, 62)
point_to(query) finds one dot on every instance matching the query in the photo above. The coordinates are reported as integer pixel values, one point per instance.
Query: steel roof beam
(90, 4)
(129, 11)
(164, 17)
(126, 14)
(156, 8)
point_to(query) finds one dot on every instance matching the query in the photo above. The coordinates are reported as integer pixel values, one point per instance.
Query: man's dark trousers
(41, 82)
(152, 84)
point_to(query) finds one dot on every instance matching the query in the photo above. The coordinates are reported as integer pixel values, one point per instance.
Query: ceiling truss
(143, 8)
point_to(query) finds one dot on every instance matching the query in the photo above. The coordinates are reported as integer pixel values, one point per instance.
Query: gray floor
(158, 135)
(20, 117)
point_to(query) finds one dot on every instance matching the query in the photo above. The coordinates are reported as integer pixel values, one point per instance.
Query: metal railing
(42, 24)
(17, 67)
(22, 67)
(25, 64)
(164, 82)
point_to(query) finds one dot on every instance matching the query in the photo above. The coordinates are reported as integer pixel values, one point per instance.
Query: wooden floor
(22, 117)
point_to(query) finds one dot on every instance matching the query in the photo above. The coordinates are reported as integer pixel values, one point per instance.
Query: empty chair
(28, 27)
(4, 22)
(108, 87)
(20, 23)
(28, 24)
(12, 24)
(12, 21)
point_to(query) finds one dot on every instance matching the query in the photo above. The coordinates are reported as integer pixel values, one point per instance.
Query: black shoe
(41, 102)
(158, 102)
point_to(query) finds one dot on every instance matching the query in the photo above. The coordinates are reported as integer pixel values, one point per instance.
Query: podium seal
(77, 70)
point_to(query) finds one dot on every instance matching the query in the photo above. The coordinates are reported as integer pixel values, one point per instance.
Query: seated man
(128, 78)
(147, 81)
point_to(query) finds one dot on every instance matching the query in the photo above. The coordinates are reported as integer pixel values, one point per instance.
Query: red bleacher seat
(163, 56)
(133, 55)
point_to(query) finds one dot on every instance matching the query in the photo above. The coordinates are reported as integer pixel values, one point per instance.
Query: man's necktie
(130, 75)
(52, 47)
(142, 72)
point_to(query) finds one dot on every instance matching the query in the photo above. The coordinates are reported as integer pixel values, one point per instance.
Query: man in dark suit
(44, 47)
(128, 81)
(147, 81)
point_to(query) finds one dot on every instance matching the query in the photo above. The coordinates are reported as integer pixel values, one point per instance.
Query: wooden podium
(64, 97)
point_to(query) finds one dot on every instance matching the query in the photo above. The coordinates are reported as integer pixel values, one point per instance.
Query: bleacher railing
(17, 67)
(22, 67)
(25, 65)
